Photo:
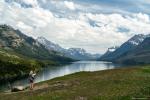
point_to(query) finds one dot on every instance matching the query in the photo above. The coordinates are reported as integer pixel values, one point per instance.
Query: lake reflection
(53, 72)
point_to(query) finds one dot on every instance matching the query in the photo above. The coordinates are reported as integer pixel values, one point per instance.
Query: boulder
(17, 88)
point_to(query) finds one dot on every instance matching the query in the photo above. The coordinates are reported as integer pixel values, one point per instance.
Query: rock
(17, 88)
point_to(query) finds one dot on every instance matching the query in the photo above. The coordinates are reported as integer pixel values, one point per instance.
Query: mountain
(139, 55)
(125, 47)
(108, 53)
(19, 54)
(50, 45)
(80, 54)
(74, 53)
(16, 41)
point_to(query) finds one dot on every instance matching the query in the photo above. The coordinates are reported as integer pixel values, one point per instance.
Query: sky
(94, 25)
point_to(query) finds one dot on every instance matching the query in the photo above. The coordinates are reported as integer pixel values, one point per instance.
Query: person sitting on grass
(32, 75)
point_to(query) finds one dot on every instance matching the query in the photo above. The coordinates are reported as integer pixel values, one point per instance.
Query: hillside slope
(14, 65)
(11, 39)
(125, 47)
(116, 84)
(19, 54)
(139, 55)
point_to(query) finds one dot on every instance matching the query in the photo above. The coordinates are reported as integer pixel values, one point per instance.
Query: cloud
(116, 6)
(23, 3)
(69, 5)
(142, 17)
(31, 2)
(94, 32)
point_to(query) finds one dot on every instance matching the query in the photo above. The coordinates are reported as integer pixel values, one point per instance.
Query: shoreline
(112, 83)
(25, 75)
(58, 65)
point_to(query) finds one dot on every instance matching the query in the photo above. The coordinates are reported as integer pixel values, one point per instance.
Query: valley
(74, 50)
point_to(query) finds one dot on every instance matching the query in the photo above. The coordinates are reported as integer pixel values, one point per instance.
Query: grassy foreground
(116, 84)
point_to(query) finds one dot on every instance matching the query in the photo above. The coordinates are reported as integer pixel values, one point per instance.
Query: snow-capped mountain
(137, 39)
(79, 54)
(108, 53)
(50, 45)
(139, 55)
(127, 46)
(75, 53)
(112, 49)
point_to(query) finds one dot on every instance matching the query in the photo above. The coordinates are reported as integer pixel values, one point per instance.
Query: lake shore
(50, 72)
(120, 83)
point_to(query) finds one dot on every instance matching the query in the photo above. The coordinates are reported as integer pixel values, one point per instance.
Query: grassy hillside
(116, 84)
(13, 65)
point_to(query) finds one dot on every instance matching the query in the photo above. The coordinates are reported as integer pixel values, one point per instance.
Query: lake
(57, 71)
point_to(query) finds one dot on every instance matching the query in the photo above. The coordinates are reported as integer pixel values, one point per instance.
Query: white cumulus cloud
(69, 5)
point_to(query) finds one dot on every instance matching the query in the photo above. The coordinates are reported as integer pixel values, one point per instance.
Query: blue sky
(133, 6)
(94, 25)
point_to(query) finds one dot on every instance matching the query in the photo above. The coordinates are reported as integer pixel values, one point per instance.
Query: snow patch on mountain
(50, 45)
(137, 39)
(75, 53)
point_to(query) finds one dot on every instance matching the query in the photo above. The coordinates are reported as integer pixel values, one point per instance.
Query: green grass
(13, 65)
(116, 84)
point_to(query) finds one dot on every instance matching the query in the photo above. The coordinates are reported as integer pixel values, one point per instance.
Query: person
(32, 75)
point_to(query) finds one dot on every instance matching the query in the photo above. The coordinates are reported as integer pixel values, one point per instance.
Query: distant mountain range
(40, 48)
(74, 53)
(136, 50)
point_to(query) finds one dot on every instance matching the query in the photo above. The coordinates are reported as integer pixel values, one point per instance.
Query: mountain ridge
(18, 42)
(19, 54)
(131, 52)
(74, 53)
(139, 55)
(125, 47)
